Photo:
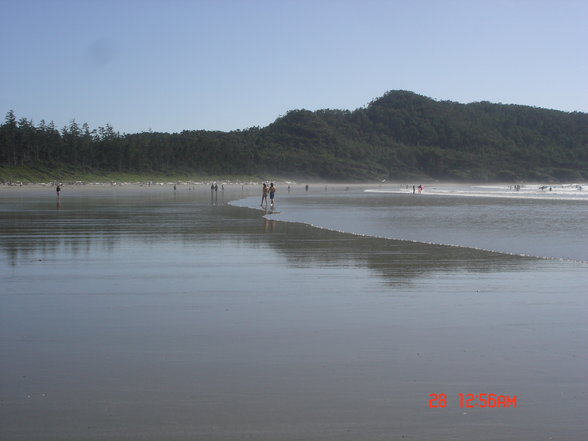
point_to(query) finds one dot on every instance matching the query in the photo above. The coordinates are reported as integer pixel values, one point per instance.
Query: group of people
(214, 187)
(271, 190)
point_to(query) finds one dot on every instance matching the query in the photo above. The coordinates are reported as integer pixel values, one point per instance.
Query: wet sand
(146, 314)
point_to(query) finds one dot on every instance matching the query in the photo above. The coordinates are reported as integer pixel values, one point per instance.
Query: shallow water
(536, 223)
(147, 314)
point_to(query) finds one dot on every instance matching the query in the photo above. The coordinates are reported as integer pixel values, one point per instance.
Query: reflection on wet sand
(84, 226)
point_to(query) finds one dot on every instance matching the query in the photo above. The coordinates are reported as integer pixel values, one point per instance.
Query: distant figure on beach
(215, 188)
(174, 187)
(306, 187)
(288, 189)
(57, 190)
(420, 189)
(212, 187)
(272, 192)
(413, 189)
(265, 191)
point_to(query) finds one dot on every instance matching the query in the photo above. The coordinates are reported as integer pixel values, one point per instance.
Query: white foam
(568, 192)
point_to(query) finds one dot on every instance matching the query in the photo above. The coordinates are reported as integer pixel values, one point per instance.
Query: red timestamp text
(474, 400)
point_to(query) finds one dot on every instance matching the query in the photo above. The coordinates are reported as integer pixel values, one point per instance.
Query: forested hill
(397, 136)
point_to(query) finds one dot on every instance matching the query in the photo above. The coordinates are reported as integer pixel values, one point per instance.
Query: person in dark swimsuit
(272, 192)
(264, 193)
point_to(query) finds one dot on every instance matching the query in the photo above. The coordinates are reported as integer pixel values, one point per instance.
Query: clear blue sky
(224, 65)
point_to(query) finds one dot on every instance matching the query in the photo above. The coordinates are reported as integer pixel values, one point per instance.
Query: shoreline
(236, 181)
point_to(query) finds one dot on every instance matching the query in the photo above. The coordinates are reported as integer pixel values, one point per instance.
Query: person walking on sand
(264, 193)
(272, 192)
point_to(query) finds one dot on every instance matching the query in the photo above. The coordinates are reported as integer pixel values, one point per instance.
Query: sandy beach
(144, 313)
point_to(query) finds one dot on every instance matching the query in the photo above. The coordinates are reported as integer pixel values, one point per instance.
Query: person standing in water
(58, 190)
(272, 192)
(264, 193)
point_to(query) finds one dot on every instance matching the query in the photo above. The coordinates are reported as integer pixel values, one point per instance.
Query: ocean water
(144, 313)
(531, 221)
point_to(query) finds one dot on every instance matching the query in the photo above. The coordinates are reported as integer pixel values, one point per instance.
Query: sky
(176, 65)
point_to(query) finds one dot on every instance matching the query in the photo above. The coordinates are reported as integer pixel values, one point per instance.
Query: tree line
(397, 136)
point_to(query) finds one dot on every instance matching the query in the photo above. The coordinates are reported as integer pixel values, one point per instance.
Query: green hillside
(398, 136)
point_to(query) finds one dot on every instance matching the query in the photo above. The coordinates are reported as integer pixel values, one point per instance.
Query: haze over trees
(398, 136)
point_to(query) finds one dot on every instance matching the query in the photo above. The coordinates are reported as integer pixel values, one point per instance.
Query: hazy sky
(223, 65)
